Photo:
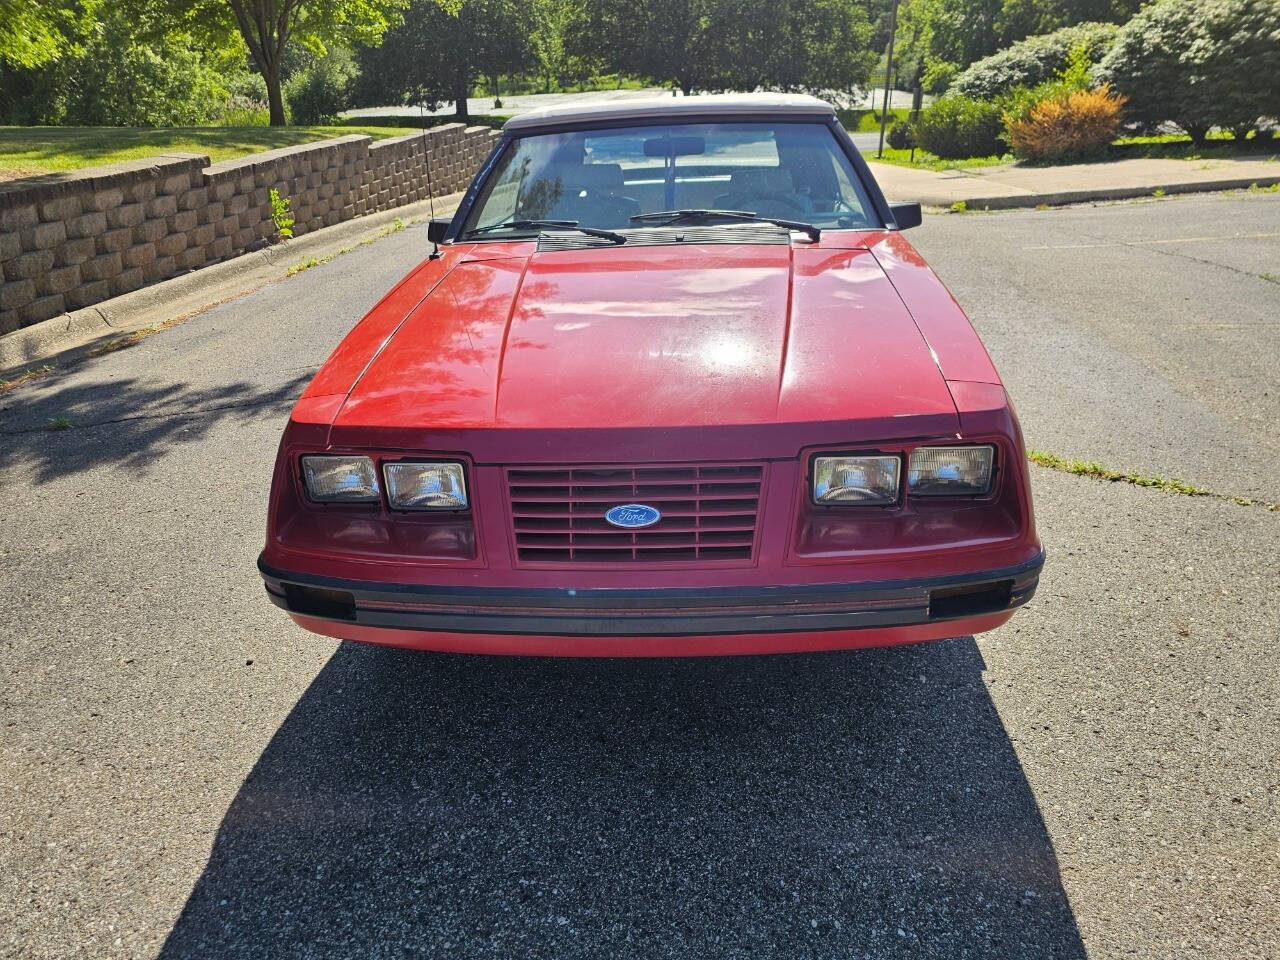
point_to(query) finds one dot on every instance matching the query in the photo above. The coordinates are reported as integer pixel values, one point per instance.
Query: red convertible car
(671, 382)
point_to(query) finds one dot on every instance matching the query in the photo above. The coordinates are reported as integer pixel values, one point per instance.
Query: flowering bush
(1067, 126)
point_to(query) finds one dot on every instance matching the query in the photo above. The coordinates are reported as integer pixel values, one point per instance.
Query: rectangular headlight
(340, 479)
(425, 486)
(951, 471)
(856, 480)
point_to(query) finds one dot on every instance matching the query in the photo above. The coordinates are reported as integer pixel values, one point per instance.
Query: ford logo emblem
(632, 516)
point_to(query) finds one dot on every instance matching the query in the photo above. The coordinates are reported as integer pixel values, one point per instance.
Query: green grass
(1176, 146)
(868, 121)
(1091, 468)
(35, 150)
(927, 161)
(302, 265)
(1166, 146)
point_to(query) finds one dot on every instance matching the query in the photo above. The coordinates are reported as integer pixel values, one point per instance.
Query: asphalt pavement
(186, 774)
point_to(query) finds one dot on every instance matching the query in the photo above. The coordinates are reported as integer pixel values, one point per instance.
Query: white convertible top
(726, 105)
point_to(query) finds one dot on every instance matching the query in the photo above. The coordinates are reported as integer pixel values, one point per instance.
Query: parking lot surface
(187, 774)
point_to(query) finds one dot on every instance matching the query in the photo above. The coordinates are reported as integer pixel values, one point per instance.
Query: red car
(671, 383)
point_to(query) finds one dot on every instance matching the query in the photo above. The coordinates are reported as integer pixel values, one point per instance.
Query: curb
(75, 334)
(1093, 195)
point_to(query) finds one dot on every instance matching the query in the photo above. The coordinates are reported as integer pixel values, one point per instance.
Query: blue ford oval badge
(632, 515)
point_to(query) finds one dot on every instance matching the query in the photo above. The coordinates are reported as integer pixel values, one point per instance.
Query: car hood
(652, 337)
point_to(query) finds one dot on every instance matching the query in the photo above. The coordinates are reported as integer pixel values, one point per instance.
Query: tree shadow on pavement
(839, 805)
(60, 430)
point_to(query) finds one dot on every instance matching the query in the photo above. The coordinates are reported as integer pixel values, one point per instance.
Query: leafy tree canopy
(820, 45)
(36, 32)
(437, 55)
(268, 26)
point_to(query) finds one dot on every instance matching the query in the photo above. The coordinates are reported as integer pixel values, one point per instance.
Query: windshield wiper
(665, 218)
(549, 225)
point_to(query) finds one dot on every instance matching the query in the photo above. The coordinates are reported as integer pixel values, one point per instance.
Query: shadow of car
(819, 805)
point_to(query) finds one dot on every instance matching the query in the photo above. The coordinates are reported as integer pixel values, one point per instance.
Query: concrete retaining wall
(70, 240)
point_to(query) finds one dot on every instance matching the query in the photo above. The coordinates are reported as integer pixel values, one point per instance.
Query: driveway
(186, 774)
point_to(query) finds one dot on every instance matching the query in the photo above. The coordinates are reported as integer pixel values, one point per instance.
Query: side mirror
(437, 230)
(906, 215)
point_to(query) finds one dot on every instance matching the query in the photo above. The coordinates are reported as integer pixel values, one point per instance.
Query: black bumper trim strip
(650, 612)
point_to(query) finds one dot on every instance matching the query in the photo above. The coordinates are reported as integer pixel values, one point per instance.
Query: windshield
(604, 178)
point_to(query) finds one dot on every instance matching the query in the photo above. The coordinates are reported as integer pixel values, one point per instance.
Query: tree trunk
(276, 101)
(460, 102)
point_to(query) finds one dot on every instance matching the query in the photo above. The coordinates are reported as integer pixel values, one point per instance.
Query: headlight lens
(951, 471)
(340, 479)
(426, 486)
(856, 480)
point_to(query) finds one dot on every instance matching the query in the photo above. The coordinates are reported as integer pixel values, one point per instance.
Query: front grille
(708, 511)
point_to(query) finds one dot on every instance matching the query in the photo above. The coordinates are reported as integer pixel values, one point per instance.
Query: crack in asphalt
(1096, 471)
(1149, 246)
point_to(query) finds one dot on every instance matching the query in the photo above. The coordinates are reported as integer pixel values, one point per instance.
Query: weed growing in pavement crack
(1091, 468)
(59, 423)
(396, 226)
(1273, 188)
(31, 373)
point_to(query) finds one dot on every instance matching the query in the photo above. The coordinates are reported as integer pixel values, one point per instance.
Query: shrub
(938, 76)
(118, 77)
(1033, 61)
(900, 136)
(239, 112)
(1070, 126)
(320, 91)
(957, 127)
(1199, 64)
(247, 86)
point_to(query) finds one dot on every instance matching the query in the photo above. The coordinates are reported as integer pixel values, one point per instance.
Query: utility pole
(888, 73)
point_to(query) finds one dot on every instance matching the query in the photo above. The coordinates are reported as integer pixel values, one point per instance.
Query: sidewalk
(1008, 185)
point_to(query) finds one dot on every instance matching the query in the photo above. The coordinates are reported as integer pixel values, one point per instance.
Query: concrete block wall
(71, 240)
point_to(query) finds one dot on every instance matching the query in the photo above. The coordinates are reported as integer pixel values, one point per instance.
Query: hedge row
(1033, 60)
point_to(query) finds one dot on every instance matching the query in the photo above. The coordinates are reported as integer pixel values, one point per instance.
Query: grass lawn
(1221, 146)
(868, 121)
(27, 151)
(927, 161)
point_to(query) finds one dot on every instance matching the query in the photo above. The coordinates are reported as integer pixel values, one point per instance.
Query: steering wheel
(748, 199)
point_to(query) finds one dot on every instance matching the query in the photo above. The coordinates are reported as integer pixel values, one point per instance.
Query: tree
(819, 45)
(437, 55)
(36, 32)
(1199, 63)
(551, 23)
(267, 27)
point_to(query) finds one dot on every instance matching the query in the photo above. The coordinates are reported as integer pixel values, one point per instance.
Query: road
(185, 774)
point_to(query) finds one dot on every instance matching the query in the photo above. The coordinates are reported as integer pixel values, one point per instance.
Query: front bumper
(602, 621)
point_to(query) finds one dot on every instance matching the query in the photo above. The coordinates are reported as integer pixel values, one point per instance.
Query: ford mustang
(669, 382)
